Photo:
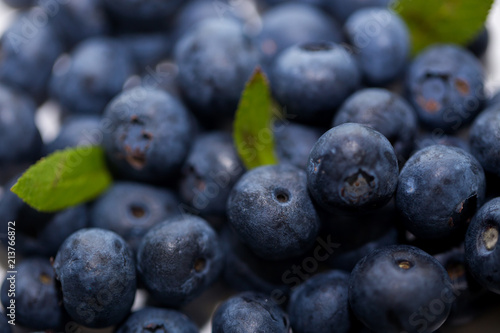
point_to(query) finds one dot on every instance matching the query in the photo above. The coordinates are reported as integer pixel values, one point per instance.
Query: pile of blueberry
(383, 214)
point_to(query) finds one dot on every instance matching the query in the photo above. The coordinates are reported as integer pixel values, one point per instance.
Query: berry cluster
(382, 215)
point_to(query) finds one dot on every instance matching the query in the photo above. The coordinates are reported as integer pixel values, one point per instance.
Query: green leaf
(64, 178)
(443, 21)
(252, 130)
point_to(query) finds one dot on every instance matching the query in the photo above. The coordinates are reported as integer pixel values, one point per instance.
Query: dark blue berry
(321, 304)
(482, 254)
(86, 80)
(96, 269)
(440, 189)
(352, 167)
(386, 113)
(151, 319)
(131, 209)
(37, 298)
(271, 211)
(311, 80)
(248, 313)
(147, 134)
(343, 9)
(445, 85)
(400, 288)
(381, 43)
(178, 259)
(485, 139)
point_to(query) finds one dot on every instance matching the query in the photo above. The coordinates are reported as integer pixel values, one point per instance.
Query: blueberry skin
(250, 313)
(26, 59)
(342, 10)
(440, 189)
(148, 135)
(484, 139)
(352, 167)
(480, 43)
(131, 209)
(20, 140)
(151, 319)
(321, 304)
(209, 173)
(37, 233)
(75, 21)
(482, 254)
(19, 3)
(271, 211)
(95, 71)
(76, 131)
(386, 113)
(293, 23)
(293, 142)
(215, 60)
(400, 288)
(178, 259)
(382, 56)
(5, 327)
(38, 304)
(445, 85)
(96, 269)
(311, 80)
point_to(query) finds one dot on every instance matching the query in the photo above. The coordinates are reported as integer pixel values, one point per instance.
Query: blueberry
(352, 167)
(96, 270)
(321, 304)
(20, 141)
(20, 3)
(480, 43)
(75, 21)
(95, 71)
(271, 211)
(76, 131)
(215, 59)
(27, 53)
(209, 173)
(294, 142)
(293, 23)
(381, 42)
(484, 139)
(5, 327)
(440, 189)
(250, 312)
(37, 233)
(178, 259)
(445, 85)
(37, 298)
(481, 252)
(386, 113)
(400, 288)
(131, 209)
(311, 80)
(343, 9)
(148, 134)
(151, 319)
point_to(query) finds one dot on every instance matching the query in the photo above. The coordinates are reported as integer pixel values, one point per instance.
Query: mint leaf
(64, 178)
(443, 21)
(252, 131)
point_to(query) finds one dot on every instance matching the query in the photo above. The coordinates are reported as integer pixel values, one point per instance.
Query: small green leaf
(64, 178)
(443, 21)
(252, 131)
